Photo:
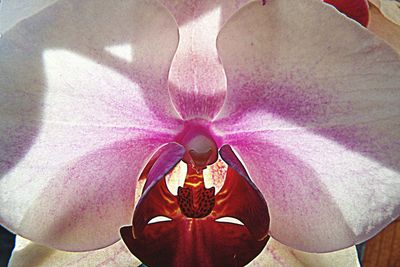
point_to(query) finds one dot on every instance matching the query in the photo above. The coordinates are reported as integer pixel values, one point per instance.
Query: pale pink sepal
(84, 103)
(313, 108)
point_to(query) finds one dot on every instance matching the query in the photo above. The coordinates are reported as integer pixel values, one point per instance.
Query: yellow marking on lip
(170, 201)
(194, 184)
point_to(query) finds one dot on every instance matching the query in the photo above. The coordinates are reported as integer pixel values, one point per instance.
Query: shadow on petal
(67, 137)
(326, 74)
(22, 89)
(293, 191)
(84, 205)
(28, 254)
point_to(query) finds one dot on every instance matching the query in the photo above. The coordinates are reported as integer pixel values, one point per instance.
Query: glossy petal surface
(84, 104)
(314, 114)
(182, 241)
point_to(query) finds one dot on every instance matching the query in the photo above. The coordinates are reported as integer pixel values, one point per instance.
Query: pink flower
(90, 91)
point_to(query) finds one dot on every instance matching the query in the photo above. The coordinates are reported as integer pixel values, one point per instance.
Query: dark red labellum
(194, 236)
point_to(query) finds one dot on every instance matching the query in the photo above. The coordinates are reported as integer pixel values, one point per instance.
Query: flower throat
(194, 199)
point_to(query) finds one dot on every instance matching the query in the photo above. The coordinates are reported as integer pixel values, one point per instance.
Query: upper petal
(313, 110)
(84, 103)
(197, 82)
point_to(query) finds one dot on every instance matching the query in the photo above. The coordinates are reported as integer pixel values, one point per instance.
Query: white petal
(313, 109)
(27, 253)
(78, 123)
(276, 254)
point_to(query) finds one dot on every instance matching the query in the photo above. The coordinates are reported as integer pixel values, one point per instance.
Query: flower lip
(198, 230)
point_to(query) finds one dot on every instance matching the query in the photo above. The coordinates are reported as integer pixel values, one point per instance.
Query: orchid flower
(293, 103)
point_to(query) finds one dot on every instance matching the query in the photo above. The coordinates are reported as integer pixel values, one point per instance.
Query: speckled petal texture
(28, 254)
(84, 103)
(312, 108)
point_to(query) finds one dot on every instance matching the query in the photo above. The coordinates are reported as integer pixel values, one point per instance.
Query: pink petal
(80, 118)
(197, 78)
(313, 110)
